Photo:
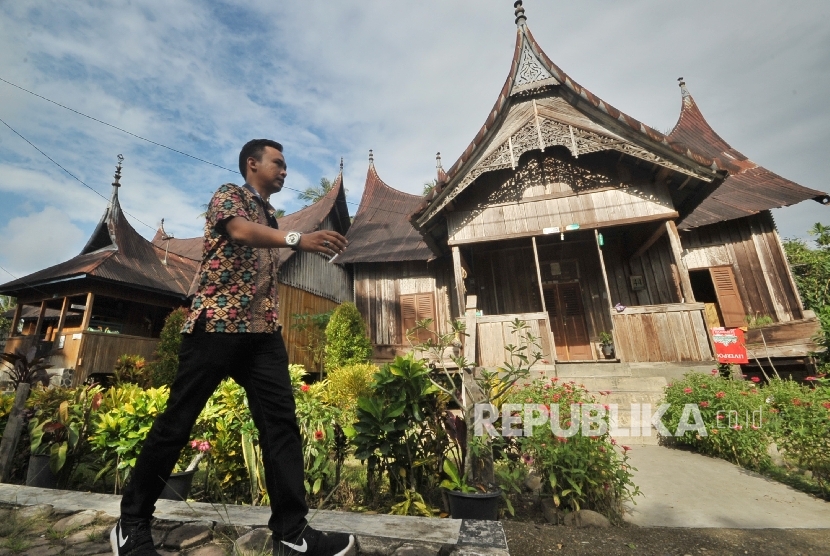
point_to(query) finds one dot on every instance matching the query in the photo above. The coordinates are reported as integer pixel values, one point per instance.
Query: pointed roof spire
(438, 161)
(519, 12)
(117, 182)
(371, 158)
(341, 164)
(683, 90)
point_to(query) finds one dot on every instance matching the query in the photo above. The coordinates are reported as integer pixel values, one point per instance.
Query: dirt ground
(526, 538)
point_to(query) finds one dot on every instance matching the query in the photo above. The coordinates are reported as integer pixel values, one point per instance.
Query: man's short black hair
(254, 148)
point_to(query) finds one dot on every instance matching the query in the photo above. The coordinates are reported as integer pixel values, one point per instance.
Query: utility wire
(68, 172)
(157, 143)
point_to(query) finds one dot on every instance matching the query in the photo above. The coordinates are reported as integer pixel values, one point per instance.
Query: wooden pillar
(539, 275)
(90, 298)
(458, 270)
(472, 331)
(607, 295)
(677, 252)
(604, 273)
(61, 321)
(18, 312)
(40, 316)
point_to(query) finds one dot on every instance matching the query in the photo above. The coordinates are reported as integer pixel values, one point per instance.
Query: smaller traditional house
(110, 300)
(397, 279)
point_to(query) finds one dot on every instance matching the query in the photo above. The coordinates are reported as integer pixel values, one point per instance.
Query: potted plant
(178, 485)
(471, 481)
(62, 436)
(606, 342)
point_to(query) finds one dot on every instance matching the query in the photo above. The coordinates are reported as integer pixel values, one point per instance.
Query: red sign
(730, 346)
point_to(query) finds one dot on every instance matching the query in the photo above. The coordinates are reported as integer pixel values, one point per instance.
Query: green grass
(798, 481)
(16, 544)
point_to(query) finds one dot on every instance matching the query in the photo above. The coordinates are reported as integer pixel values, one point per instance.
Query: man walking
(233, 330)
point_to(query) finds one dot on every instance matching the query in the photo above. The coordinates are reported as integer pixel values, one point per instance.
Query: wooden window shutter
(416, 307)
(729, 299)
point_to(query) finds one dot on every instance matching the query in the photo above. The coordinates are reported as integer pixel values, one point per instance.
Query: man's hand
(326, 242)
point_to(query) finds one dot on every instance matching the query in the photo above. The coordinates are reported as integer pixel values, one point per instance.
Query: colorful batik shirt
(237, 284)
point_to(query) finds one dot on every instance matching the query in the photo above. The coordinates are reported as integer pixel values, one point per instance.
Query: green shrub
(132, 369)
(579, 471)
(735, 430)
(163, 369)
(344, 385)
(802, 425)
(346, 340)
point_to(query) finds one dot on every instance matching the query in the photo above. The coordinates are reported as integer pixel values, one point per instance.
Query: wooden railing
(494, 332)
(796, 338)
(99, 352)
(655, 333)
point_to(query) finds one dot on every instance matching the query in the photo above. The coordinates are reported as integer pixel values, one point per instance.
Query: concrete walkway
(685, 489)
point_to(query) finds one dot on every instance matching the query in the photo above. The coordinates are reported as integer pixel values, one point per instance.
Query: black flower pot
(178, 486)
(474, 505)
(38, 474)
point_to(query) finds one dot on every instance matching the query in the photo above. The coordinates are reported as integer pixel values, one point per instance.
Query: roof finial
(519, 13)
(341, 164)
(371, 157)
(683, 90)
(438, 161)
(117, 182)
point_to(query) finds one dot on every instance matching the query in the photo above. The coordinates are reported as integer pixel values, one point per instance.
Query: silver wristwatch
(292, 239)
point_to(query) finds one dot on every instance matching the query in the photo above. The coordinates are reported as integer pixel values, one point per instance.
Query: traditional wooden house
(110, 300)
(308, 282)
(565, 212)
(397, 279)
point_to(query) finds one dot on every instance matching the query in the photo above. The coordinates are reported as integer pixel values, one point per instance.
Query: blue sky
(332, 79)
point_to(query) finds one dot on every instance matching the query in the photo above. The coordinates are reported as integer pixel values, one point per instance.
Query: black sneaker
(132, 539)
(316, 543)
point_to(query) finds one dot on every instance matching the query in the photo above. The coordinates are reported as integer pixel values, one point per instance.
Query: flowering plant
(579, 471)
(202, 448)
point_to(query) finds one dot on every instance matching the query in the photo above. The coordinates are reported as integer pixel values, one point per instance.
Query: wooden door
(567, 319)
(729, 299)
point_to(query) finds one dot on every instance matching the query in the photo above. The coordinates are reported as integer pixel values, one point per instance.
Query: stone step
(585, 370)
(625, 384)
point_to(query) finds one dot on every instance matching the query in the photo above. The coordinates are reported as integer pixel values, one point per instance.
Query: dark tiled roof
(116, 253)
(381, 231)
(311, 218)
(747, 189)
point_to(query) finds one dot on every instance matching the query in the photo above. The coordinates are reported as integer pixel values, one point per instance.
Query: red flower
(714, 371)
(720, 394)
(304, 387)
(704, 404)
(614, 441)
(796, 401)
(720, 416)
(319, 435)
(811, 378)
(826, 405)
(774, 410)
(687, 390)
(626, 448)
(755, 379)
(755, 427)
(737, 427)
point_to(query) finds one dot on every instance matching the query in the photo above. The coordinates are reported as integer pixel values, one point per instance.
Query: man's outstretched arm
(251, 234)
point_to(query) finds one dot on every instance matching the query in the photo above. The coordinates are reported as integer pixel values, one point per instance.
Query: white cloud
(38, 240)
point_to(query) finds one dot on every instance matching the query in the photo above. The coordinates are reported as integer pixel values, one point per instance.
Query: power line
(68, 172)
(156, 143)
(24, 283)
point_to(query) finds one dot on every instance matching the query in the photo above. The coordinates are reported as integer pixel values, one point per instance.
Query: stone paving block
(46, 550)
(421, 550)
(75, 521)
(376, 546)
(100, 531)
(188, 536)
(255, 542)
(85, 548)
(482, 533)
(159, 529)
(35, 512)
(230, 533)
(478, 551)
(208, 550)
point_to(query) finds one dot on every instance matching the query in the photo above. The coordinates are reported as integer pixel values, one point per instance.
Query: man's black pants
(258, 363)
